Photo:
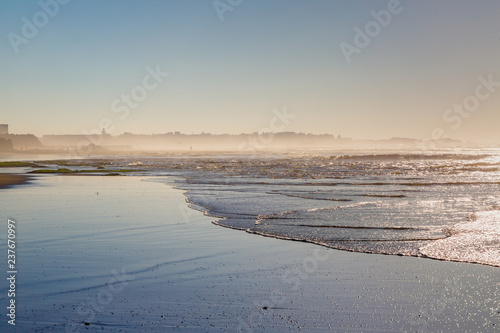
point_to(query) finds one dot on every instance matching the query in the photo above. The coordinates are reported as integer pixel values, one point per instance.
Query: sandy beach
(125, 254)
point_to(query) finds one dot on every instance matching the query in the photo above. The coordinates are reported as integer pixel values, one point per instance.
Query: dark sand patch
(7, 180)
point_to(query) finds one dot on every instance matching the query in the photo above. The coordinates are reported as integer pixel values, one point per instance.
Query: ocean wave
(311, 197)
(411, 156)
(397, 203)
(474, 241)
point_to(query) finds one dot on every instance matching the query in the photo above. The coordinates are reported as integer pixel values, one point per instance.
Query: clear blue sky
(226, 76)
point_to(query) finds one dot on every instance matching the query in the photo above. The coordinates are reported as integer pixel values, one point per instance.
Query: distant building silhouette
(4, 129)
(6, 145)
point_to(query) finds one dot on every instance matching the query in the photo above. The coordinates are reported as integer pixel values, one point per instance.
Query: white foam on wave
(475, 241)
(357, 204)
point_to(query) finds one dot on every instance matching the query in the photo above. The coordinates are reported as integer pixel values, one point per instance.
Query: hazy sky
(356, 68)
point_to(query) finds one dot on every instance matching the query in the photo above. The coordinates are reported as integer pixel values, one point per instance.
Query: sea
(441, 204)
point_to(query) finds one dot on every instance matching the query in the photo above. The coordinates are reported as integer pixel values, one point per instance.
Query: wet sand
(9, 180)
(126, 254)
